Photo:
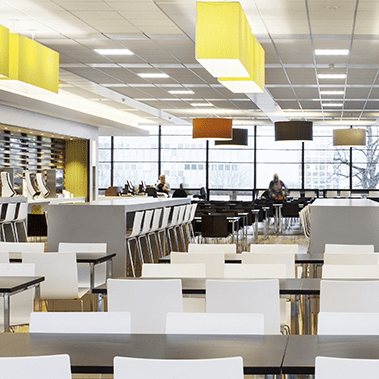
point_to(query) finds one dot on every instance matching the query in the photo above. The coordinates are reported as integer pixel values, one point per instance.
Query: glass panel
(183, 158)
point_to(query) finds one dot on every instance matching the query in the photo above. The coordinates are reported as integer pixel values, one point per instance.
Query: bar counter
(100, 221)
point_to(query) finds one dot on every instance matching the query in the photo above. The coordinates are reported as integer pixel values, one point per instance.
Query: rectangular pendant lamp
(240, 138)
(294, 130)
(349, 137)
(256, 82)
(4, 51)
(223, 34)
(212, 128)
(32, 63)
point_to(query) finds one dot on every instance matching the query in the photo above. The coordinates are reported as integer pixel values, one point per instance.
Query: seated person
(180, 192)
(162, 185)
(277, 189)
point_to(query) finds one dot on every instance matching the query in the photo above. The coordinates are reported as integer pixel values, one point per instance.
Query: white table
(344, 221)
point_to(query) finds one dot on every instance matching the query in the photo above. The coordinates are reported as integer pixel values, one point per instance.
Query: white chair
(80, 322)
(132, 235)
(100, 270)
(274, 248)
(215, 323)
(255, 271)
(343, 368)
(348, 323)
(373, 194)
(189, 270)
(10, 215)
(345, 194)
(350, 271)
(146, 226)
(154, 227)
(241, 296)
(191, 233)
(310, 194)
(148, 301)
(20, 218)
(349, 296)
(139, 368)
(61, 275)
(7, 189)
(49, 366)
(295, 194)
(22, 247)
(214, 262)
(229, 249)
(163, 229)
(272, 258)
(21, 304)
(350, 259)
(348, 248)
(331, 194)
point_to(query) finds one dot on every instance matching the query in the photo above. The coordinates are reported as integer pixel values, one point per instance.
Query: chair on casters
(140, 368)
(131, 235)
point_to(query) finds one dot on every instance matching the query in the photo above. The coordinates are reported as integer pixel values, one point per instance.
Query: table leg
(91, 277)
(100, 305)
(6, 312)
(37, 296)
(110, 269)
(297, 313)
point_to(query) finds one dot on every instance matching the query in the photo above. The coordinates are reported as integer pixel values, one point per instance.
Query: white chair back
(148, 301)
(373, 193)
(214, 262)
(80, 322)
(295, 194)
(215, 323)
(60, 272)
(139, 368)
(146, 225)
(49, 366)
(341, 368)
(350, 259)
(21, 247)
(255, 271)
(345, 194)
(21, 304)
(309, 194)
(348, 323)
(350, 271)
(212, 248)
(246, 296)
(185, 270)
(137, 224)
(100, 274)
(166, 215)
(349, 296)
(272, 258)
(330, 194)
(274, 248)
(348, 248)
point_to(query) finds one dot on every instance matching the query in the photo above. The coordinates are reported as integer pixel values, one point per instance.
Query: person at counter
(277, 189)
(162, 185)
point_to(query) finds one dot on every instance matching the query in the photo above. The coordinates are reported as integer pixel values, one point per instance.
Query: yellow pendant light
(212, 128)
(256, 82)
(4, 51)
(223, 35)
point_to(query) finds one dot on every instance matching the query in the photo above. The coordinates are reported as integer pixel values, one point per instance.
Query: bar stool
(163, 229)
(132, 235)
(184, 224)
(21, 219)
(8, 220)
(255, 212)
(171, 226)
(191, 233)
(154, 232)
(146, 226)
(179, 226)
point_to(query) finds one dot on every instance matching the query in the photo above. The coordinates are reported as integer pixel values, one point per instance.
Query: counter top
(344, 203)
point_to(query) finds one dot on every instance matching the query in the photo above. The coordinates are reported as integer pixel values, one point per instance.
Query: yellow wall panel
(4, 51)
(76, 170)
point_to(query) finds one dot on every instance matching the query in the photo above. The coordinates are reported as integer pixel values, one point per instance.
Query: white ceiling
(161, 34)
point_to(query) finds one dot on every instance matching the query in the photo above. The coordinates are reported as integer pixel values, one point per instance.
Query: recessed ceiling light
(332, 52)
(331, 76)
(181, 92)
(332, 104)
(114, 52)
(202, 104)
(153, 75)
(332, 92)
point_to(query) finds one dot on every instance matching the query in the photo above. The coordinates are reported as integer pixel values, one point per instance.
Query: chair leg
(130, 258)
(169, 242)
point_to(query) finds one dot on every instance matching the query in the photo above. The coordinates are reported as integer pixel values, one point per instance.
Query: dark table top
(10, 284)
(94, 258)
(299, 259)
(302, 350)
(91, 353)
(301, 286)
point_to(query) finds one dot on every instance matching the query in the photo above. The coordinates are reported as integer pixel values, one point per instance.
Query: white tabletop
(344, 203)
